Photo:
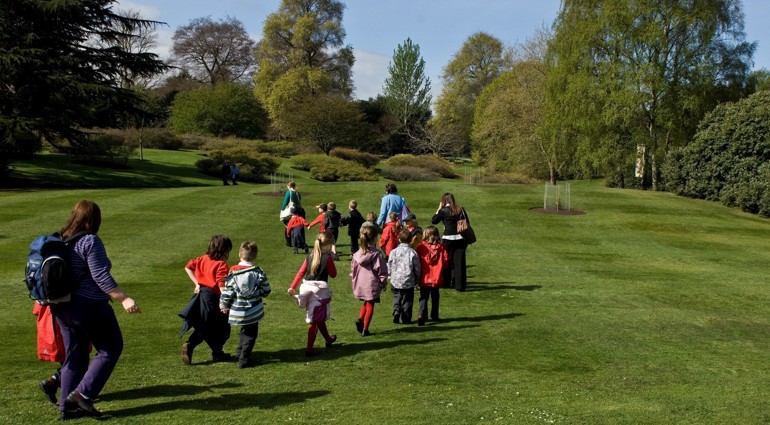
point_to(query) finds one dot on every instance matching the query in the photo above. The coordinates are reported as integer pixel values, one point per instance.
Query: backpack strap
(74, 237)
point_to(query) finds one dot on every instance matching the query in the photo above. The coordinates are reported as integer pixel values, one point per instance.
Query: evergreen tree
(407, 88)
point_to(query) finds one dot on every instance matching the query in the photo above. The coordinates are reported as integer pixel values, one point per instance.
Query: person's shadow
(499, 286)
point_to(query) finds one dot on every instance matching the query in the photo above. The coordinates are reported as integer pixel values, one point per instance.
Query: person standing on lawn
(391, 202)
(291, 199)
(404, 268)
(433, 261)
(449, 213)
(369, 274)
(354, 220)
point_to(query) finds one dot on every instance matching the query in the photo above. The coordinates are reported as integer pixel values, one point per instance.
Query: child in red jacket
(389, 238)
(433, 260)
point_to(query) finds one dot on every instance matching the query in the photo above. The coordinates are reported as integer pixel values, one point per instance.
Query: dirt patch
(557, 212)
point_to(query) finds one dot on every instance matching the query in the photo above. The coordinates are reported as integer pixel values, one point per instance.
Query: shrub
(283, 149)
(255, 166)
(224, 110)
(430, 162)
(366, 159)
(341, 170)
(305, 162)
(409, 174)
(102, 149)
(729, 158)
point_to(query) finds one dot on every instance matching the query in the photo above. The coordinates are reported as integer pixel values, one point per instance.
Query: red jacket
(433, 260)
(389, 238)
(295, 221)
(318, 220)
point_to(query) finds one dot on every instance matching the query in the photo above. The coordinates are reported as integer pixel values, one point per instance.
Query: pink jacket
(368, 273)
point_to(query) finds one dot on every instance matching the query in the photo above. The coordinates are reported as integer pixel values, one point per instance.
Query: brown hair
(291, 184)
(430, 235)
(371, 216)
(248, 251)
(449, 200)
(391, 188)
(219, 247)
(367, 236)
(85, 216)
(404, 236)
(322, 245)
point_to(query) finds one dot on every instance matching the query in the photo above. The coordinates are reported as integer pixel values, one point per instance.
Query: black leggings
(455, 275)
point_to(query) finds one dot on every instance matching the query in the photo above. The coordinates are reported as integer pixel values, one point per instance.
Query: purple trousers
(84, 322)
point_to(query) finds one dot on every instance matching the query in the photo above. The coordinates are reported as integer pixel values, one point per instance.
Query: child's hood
(434, 253)
(364, 259)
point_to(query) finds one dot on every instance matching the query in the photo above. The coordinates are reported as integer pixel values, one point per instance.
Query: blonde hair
(394, 218)
(371, 216)
(353, 204)
(367, 236)
(322, 245)
(331, 205)
(430, 235)
(248, 251)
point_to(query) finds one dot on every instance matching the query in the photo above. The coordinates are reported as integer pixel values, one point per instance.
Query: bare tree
(214, 52)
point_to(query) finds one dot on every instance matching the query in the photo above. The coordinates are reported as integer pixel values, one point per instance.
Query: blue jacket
(391, 202)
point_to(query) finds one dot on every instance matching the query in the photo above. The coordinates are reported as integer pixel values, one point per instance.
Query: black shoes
(187, 351)
(311, 353)
(420, 321)
(49, 387)
(333, 340)
(221, 357)
(366, 333)
(80, 404)
(359, 325)
(395, 319)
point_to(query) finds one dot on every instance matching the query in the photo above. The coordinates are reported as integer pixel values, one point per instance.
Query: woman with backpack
(88, 317)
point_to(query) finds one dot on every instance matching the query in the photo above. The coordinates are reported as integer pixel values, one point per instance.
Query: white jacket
(315, 296)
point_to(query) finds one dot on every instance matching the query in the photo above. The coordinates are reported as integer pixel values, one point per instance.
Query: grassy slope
(649, 309)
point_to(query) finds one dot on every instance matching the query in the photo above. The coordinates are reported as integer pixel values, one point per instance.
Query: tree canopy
(215, 52)
(61, 68)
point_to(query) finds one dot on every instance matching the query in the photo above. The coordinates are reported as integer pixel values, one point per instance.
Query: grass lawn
(650, 309)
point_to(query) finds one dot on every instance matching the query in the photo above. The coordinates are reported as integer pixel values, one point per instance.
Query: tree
(214, 52)
(61, 66)
(481, 59)
(407, 89)
(327, 121)
(227, 109)
(759, 80)
(631, 79)
(304, 33)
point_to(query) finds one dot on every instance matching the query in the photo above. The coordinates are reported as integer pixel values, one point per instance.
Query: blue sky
(375, 27)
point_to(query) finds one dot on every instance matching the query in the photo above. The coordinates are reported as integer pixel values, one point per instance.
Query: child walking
(321, 221)
(369, 274)
(415, 231)
(295, 229)
(208, 273)
(389, 238)
(404, 268)
(371, 221)
(353, 220)
(332, 224)
(433, 261)
(241, 300)
(315, 295)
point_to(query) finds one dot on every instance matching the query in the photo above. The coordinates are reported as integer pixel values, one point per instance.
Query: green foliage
(407, 89)
(729, 159)
(153, 138)
(621, 88)
(366, 159)
(331, 169)
(223, 110)
(275, 148)
(480, 60)
(107, 149)
(432, 163)
(60, 63)
(255, 166)
(407, 173)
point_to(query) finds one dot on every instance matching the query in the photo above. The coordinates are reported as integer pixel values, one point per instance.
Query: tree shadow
(483, 318)
(221, 403)
(498, 286)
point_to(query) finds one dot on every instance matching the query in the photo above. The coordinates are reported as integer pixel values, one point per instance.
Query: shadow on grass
(165, 391)
(498, 286)
(221, 403)
(482, 318)
(340, 349)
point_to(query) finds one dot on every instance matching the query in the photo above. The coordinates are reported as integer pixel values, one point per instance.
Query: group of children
(411, 257)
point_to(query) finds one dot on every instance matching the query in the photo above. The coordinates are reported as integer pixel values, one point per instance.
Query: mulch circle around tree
(557, 212)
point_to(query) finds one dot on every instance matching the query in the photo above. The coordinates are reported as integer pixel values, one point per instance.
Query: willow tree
(629, 79)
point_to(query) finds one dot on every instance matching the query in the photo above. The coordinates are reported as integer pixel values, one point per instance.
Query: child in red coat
(389, 238)
(433, 261)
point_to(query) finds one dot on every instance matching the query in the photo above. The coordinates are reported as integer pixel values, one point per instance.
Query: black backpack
(48, 274)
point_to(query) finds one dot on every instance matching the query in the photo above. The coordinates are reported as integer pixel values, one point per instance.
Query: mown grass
(648, 309)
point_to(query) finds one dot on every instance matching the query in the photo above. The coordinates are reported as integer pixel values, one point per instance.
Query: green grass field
(649, 309)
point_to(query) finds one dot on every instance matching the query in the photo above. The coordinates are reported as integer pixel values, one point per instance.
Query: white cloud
(369, 73)
(145, 11)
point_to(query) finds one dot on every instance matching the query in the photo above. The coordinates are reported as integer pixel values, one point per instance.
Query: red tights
(312, 330)
(367, 310)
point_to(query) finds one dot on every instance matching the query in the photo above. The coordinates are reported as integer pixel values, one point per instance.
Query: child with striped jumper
(241, 300)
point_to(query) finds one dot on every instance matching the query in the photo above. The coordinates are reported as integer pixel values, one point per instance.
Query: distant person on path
(354, 220)
(291, 199)
(225, 173)
(404, 269)
(433, 261)
(449, 213)
(241, 300)
(391, 202)
(315, 295)
(208, 273)
(88, 319)
(369, 276)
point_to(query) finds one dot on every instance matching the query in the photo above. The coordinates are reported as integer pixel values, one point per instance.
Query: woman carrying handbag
(451, 214)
